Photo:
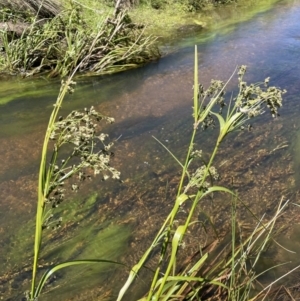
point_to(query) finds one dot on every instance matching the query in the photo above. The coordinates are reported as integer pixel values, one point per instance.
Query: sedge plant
(88, 154)
(195, 184)
(227, 273)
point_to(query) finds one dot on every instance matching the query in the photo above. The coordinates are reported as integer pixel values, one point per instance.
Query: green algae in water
(85, 234)
(88, 231)
(13, 89)
(94, 236)
(108, 243)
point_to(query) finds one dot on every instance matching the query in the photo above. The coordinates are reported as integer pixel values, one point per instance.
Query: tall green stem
(191, 213)
(43, 184)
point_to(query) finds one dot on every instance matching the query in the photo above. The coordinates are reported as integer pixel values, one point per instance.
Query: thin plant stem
(44, 181)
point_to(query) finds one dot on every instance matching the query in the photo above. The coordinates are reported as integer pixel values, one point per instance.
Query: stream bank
(77, 35)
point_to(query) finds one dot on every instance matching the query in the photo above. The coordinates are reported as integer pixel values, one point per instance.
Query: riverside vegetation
(179, 273)
(55, 36)
(59, 44)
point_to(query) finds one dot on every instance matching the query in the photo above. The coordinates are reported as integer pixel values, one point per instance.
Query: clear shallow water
(154, 100)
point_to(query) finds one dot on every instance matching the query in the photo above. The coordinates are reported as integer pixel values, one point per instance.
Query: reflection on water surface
(154, 100)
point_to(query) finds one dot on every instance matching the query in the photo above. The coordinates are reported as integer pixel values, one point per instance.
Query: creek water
(114, 221)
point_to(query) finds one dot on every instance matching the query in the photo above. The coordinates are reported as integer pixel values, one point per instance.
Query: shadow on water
(116, 221)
